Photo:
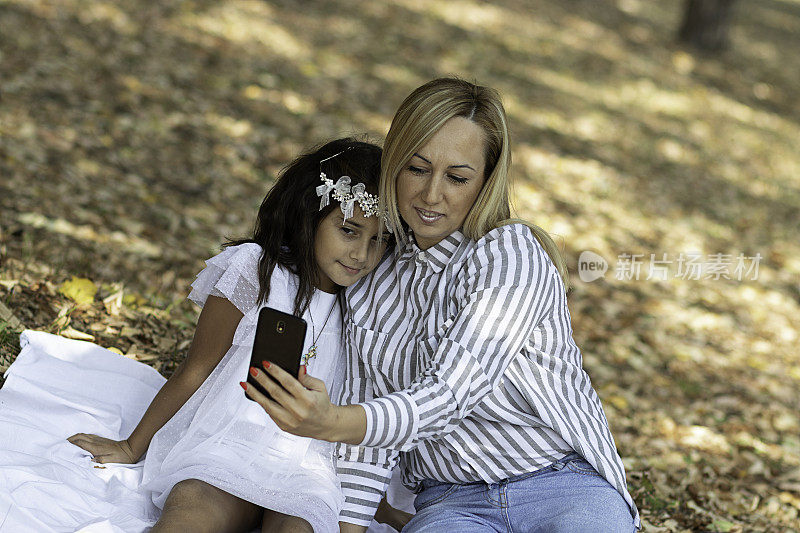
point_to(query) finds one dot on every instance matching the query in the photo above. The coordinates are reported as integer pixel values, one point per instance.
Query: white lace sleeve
(231, 274)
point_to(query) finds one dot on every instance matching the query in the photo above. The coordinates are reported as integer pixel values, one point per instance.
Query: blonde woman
(461, 357)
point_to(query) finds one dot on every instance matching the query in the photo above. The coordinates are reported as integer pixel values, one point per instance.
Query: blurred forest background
(135, 136)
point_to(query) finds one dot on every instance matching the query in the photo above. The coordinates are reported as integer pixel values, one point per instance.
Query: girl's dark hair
(289, 214)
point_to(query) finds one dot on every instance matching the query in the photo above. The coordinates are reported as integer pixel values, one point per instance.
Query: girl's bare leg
(196, 506)
(277, 522)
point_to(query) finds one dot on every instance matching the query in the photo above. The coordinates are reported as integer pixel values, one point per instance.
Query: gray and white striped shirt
(462, 357)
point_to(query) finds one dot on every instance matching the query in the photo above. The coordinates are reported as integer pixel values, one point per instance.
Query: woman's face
(437, 187)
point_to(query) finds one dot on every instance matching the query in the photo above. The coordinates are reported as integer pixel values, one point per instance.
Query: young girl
(215, 461)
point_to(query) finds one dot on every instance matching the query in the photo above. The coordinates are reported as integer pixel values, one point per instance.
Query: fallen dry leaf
(72, 333)
(79, 290)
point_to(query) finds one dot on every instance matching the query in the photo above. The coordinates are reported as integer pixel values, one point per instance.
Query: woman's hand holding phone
(298, 406)
(302, 406)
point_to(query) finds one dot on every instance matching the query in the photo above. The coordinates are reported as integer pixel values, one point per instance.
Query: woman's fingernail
(303, 368)
(243, 385)
(265, 364)
(253, 371)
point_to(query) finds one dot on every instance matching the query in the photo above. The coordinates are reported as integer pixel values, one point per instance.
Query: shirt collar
(437, 256)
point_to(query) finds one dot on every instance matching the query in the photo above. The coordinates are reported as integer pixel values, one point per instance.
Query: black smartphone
(279, 340)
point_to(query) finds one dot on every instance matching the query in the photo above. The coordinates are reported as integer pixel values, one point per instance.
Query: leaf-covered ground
(136, 136)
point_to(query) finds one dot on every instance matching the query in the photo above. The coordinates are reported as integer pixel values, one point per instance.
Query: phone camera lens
(281, 326)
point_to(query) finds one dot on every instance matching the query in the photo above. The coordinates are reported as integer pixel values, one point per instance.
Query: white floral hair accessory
(347, 195)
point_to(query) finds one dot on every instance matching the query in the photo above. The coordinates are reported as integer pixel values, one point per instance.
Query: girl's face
(438, 186)
(347, 251)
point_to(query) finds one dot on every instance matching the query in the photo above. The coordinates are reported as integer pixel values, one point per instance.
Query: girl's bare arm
(212, 339)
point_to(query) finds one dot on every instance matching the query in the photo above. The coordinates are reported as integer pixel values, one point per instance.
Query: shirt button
(421, 257)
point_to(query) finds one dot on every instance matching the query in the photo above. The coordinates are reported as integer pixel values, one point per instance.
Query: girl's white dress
(222, 438)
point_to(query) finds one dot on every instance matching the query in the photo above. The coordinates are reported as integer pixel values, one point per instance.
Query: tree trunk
(705, 24)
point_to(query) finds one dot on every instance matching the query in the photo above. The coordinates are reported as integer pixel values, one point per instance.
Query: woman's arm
(386, 514)
(364, 472)
(303, 407)
(510, 285)
(507, 288)
(212, 339)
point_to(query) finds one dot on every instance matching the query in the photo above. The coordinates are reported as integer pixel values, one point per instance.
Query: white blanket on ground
(55, 388)
(58, 387)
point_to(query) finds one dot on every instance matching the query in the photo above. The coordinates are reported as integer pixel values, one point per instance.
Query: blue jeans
(568, 496)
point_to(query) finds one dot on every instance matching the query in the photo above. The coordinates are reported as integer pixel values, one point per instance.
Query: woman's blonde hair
(420, 116)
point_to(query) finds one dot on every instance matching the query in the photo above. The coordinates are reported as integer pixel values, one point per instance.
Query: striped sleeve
(508, 288)
(364, 472)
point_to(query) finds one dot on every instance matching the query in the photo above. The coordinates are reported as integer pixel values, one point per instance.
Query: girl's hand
(298, 406)
(104, 450)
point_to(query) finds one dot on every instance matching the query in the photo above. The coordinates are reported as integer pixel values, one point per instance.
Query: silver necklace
(312, 351)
